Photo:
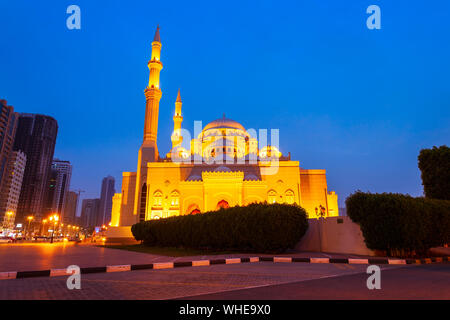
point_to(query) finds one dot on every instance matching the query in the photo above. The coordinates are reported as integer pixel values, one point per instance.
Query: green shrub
(256, 227)
(434, 165)
(400, 224)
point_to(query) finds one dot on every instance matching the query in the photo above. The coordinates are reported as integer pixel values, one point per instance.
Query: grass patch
(166, 251)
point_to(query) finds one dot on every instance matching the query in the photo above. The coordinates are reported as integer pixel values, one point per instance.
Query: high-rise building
(70, 209)
(10, 192)
(58, 187)
(8, 124)
(36, 137)
(106, 195)
(48, 208)
(89, 212)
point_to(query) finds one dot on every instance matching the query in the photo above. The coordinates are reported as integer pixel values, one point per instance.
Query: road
(427, 282)
(262, 280)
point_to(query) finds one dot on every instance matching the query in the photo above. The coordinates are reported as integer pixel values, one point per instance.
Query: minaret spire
(149, 149)
(157, 38)
(178, 96)
(153, 92)
(177, 120)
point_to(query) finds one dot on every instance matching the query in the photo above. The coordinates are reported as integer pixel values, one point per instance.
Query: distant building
(10, 192)
(342, 212)
(106, 196)
(8, 124)
(48, 208)
(36, 137)
(69, 215)
(89, 212)
(58, 187)
(115, 213)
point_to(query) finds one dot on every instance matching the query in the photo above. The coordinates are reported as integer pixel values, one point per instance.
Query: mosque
(224, 165)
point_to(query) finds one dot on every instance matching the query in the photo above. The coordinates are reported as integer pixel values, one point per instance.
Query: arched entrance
(222, 204)
(193, 209)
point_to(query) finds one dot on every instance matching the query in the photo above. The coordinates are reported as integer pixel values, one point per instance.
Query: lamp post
(320, 215)
(44, 221)
(54, 218)
(29, 218)
(7, 224)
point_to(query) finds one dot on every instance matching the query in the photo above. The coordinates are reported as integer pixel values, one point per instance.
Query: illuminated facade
(224, 165)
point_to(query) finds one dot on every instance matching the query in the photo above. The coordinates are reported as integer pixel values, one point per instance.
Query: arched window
(272, 196)
(157, 199)
(222, 204)
(290, 197)
(174, 199)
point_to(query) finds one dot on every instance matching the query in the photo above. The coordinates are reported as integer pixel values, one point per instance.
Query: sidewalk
(44, 256)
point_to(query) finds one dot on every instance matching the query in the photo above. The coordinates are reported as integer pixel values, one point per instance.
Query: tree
(434, 165)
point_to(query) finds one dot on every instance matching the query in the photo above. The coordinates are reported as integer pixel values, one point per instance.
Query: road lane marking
(282, 259)
(232, 260)
(199, 263)
(119, 268)
(358, 261)
(163, 265)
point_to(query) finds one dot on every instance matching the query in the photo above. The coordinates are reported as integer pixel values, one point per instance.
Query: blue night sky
(360, 103)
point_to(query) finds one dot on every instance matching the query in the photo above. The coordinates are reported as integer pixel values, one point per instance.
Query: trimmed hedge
(256, 227)
(400, 224)
(434, 165)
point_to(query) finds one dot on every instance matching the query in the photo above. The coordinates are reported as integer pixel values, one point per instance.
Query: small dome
(222, 169)
(194, 178)
(224, 123)
(251, 177)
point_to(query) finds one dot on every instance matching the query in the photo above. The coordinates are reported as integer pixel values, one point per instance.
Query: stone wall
(337, 234)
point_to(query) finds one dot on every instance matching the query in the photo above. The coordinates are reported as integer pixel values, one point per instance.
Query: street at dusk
(250, 281)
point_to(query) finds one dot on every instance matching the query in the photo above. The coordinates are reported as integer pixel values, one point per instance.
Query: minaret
(177, 120)
(153, 94)
(149, 149)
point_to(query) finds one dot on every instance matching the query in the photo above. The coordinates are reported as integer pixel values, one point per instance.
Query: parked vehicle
(41, 238)
(6, 240)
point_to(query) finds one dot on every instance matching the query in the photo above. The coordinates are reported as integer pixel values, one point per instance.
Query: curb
(198, 263)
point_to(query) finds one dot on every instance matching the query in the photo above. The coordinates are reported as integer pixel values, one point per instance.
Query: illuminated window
(272, 196)
(174, 199)
(290, 197)
(157, 199)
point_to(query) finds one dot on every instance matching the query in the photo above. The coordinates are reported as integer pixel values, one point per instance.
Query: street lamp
(54, 218)
(320, 215)
(44, 221)
(7, 223)
(29, 218)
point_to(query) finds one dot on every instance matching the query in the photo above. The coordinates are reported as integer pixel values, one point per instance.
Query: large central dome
(224, 123)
